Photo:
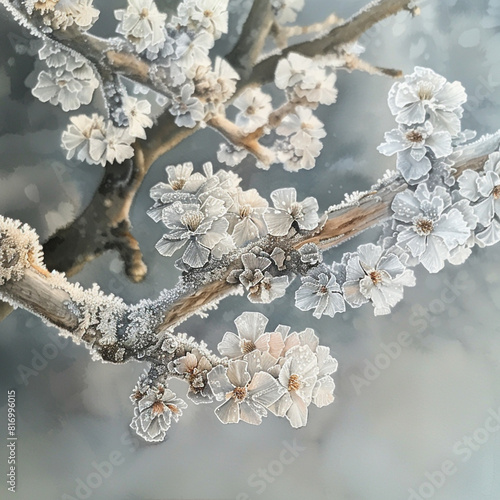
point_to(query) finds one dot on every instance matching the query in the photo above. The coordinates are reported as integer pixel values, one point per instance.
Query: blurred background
(418, 425)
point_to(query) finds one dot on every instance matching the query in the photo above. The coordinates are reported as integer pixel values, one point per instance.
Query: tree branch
(104, 224)
(253, 36)
(40, 292)
(347, 32)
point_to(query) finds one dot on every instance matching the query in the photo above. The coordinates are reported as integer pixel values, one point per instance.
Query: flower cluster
(211, 215)
(428, 110)
(260, 276)
(68, 80)
(208, 213)
(307, 83)
(278, 371)
(62, 14)
(96, 141)
(155, 407)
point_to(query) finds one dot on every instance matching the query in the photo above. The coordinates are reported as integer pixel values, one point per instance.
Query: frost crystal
(19, 249)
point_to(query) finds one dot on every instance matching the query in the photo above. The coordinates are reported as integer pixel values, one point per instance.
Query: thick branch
(36, 292)
(105, 224)
(253, 36)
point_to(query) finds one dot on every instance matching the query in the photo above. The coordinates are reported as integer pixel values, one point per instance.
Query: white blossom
(69, 12)
(298, 376)
(255, 107)
(53, 55)
(321, 292)
(246, 217)
(292, 70)
(482, 189)
(413, 144)
(287, 211)
(201, 227)
(430, 225)
(187, 109)
(142, 24)
(251, 335)
(246, 396)
(253, 270)
(376, 276)
(68, 88)
(226, 78)
(231, 155)
(303, 128)
(114, 144)
(137, 112)
(268, 289)
(209, 15)
(77, 137)
(192, 52)
(155, 411)
(425, 94)
(194, 366)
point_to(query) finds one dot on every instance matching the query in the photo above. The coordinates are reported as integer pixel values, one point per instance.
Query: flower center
(173, 408)
(239, 393)
(208, 13)
(267, 284)
(425, 92)
(294, 383)
(295, 210)
(250, 110)
(178, 184)
(424, 227)
(144, 13)
(61, 83)
(157, 408)
(247, 346)
(376, 277)
(138, 395)
(496, 192)
(323, 289)
(192, 220)
(245, 211)
(414, 136)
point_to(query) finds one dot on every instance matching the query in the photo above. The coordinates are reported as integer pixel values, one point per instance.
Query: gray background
(374, 443)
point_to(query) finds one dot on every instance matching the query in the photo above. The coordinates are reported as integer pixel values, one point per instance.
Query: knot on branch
(19, 250)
